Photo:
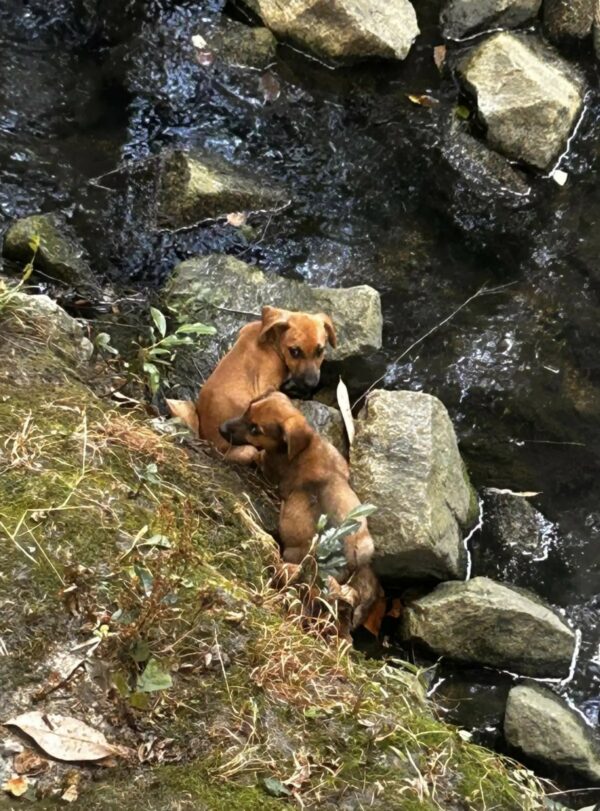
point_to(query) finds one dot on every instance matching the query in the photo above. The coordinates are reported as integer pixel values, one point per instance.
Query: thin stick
(483, 291)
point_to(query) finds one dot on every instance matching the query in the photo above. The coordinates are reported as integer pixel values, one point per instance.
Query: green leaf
(160, 541)
(275, 787)
(145, 578)
(462, 112)
(153, 376)
(196, 329)
(140, 652)
(154, 678)
(103, 342)
(139, 701)
(362, 511)
(119, 680)
(159, 320)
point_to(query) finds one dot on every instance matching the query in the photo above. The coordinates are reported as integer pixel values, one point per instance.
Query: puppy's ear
(297, 434)
(329, 329)
(274, 321)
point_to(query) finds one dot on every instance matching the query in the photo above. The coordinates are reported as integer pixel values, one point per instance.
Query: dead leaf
(423, 100)
(66, 738)
(28, 762)
(506, 492)
(185, 410)
(17, 786)
(269, 84)
(343, 399)
(71, 794)
(237, 218)
(439, 56)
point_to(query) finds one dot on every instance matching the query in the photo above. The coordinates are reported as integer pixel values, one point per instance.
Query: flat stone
(487, 623)
(242, 45)
(195, 186)
(461, 18)
(405, 460)
(527, 96)
(341, 29)
(544, 727)
(227, 293)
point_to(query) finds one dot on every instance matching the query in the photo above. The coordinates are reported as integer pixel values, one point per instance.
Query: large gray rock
(568, 19)
(227, 293)
(60, 256)
(344, 28)
(405, 460)
(460, 18)
(326, 421)
(487, 623)
(527, 96)
(542, 726)
(198, 186)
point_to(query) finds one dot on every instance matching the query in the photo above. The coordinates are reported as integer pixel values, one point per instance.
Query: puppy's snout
(311, 378)
(226, 431)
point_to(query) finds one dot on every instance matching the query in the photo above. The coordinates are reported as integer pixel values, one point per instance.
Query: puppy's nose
(311, 379)
(225, 431)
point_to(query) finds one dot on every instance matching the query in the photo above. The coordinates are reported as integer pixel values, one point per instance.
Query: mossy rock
(117, 544)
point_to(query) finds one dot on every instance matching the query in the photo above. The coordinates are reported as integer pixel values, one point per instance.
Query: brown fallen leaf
(269, 84)
(70, 795)
(17, 786)
(423, 100)
(66, 738)
(439, 56)
(343, 399)
(28, 762)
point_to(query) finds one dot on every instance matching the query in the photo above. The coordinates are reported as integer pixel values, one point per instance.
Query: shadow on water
(384, 192)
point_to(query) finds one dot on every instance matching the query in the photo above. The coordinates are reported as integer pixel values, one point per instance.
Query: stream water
(382, 194)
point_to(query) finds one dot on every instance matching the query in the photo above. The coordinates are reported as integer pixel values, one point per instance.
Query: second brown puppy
(313, 479)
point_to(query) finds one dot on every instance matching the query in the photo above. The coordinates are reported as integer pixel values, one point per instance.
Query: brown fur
(313, 479)
(262, 358)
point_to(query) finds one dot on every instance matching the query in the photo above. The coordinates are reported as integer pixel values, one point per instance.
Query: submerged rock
(542, 726)
(568, 19)
(486, 623)
(198, 186)
(344, 28)
(60, 256)
(513, 522)
(528, 98)
(227, 293)
(405, 460)
(460, 18)
(239, 44)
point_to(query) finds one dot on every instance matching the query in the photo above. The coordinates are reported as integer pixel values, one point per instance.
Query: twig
(483, 291)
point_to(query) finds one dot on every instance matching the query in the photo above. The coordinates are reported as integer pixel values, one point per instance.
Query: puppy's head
(301, 340)
(270, 423)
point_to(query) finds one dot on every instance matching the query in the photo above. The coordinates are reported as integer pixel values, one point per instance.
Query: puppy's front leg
(243, 455)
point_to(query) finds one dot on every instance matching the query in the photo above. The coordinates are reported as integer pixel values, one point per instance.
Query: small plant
(328, 548)
(162, 350)
(8, 294)
(103, 342)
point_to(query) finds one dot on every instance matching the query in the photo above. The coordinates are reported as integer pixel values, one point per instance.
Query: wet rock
(542, 726)
(327, 421)
(405, 460)
(228, 293)
(460, 18)
(568, 19)
(513, 522)
(528, 98)
(60, 256)
(198, 186)
(344, 28)
(239, 44)
(487, 623)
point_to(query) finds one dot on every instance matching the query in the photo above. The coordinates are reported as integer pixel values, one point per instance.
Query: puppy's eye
(295, 352)
(254, 429)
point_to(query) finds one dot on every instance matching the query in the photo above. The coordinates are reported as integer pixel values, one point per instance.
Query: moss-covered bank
(112, 532)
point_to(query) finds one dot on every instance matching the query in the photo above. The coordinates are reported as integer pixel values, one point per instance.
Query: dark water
(382, 194)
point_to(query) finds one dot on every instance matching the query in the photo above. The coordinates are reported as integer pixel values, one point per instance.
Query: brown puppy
(313, 479)
(283, 349)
